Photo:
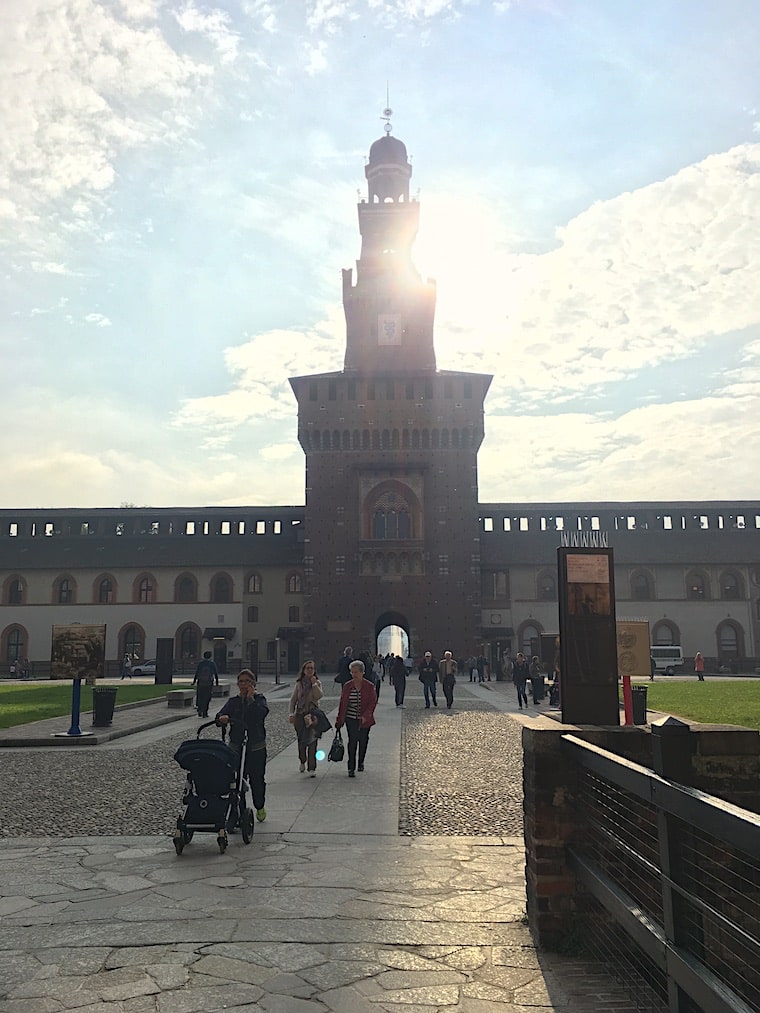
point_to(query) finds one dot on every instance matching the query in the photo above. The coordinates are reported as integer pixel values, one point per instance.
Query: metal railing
(670, 880)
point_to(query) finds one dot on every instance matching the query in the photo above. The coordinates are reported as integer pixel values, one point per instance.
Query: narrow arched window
(378, 524)
(221, 589)
(729, 587)
(404, 525)
(641, 588)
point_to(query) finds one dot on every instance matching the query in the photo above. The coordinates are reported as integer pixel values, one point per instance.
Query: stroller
(217, 795)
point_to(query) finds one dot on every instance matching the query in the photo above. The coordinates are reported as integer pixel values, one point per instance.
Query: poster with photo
(78, 651)
(588, 585)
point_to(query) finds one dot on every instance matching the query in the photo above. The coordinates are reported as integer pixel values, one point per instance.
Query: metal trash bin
(639, 700)
(103, 702)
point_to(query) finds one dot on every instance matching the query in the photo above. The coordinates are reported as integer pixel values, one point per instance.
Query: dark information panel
(588, 637)
(164, 660)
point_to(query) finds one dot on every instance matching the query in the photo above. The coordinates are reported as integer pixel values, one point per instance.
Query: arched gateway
(392, 634)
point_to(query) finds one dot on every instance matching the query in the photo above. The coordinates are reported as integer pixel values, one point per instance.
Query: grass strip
(712, 702)
(20, 705)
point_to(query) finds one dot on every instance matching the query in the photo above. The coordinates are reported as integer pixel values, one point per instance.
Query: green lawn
(21, 704)
(714, 701)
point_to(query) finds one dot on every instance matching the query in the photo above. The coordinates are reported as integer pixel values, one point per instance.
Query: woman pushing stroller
(247, 712)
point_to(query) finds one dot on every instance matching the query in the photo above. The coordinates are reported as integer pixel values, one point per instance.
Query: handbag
(337, 749)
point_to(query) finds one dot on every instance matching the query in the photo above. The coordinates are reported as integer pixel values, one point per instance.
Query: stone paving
(402, 889)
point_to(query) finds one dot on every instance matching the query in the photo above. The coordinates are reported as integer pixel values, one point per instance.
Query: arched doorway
(392, 634)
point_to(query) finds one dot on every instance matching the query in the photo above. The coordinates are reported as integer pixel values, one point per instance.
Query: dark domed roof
(388, 150)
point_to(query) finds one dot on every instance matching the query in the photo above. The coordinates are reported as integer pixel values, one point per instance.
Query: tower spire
(390, 310)
(387, 112)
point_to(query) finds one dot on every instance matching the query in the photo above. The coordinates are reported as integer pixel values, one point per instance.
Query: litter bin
(639, 699)
(103, 701)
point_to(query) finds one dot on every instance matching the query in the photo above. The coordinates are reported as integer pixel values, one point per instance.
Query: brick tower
(391, 444)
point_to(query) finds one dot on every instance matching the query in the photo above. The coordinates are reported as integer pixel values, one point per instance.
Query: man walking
(344, 662)
(428, 678)
(206, 675)
(448, 672)
(398, 679)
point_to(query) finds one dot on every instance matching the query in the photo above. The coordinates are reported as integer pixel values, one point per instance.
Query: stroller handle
(211, 724)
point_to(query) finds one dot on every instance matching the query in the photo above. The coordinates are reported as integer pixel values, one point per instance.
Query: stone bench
(180, 697)
(223, 689)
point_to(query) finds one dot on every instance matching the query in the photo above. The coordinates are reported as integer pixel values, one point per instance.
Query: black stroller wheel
(246, 826)
(188, 836)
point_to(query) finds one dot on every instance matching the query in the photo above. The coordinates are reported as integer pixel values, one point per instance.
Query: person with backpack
(206, 677)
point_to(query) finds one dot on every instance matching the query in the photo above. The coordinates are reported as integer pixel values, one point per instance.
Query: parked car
(144, 668)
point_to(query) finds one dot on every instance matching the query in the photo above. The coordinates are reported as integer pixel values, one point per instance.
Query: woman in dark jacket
(536, 679)
(247, 712)
(356, 711)
(520, 676)
(398, 679)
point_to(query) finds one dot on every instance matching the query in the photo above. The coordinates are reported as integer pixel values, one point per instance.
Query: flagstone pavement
(344, 901)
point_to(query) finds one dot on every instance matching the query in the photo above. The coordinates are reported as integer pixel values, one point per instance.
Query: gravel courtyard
(461, 774)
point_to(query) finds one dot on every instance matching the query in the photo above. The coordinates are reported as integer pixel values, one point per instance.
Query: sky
(178, 190)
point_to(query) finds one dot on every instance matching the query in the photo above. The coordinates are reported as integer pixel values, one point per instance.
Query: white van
(667, 660)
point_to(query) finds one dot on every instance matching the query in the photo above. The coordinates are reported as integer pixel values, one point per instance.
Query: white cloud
(315, 57)
(213, 25)
(278, 452)
(49, 267)
(78, 87)
(261, 368)
(637, 281)
(98, 319)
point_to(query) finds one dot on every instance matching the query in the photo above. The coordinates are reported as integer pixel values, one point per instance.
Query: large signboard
(588, 642)
(633, 652)
(78, 651)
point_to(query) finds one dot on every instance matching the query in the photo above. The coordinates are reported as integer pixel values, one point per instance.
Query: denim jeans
(429, 688)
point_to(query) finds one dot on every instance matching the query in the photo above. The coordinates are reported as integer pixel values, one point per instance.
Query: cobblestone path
(461, 774)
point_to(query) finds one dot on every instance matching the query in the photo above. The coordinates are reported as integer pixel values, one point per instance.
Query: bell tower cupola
(390, 310)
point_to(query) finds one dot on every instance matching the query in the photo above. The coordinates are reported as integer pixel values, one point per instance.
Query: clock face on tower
(388, 329)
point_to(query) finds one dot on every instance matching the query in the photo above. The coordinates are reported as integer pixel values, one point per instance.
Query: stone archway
(392, 628)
